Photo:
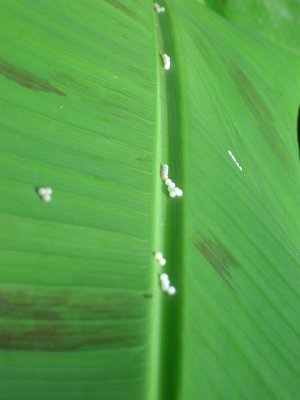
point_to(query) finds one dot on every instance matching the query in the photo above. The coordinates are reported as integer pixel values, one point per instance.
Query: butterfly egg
(168, 182)
(172, 193)
(178, 192)
(171, 186)
(46, 198)
(162, 262)
(158, 255)
(42, 191)
(165, 286)
(171, 290)
(49, 191)
(167, 65)
(164, 172)
(164, 278)
(165, 169)
(167, 61)
(158, 8)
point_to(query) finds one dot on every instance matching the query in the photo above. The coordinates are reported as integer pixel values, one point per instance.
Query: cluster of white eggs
(159, 257)
(159, 9)
(173, 190)
(164, 278)
(45, 193)
(165, 284)
(167, 61)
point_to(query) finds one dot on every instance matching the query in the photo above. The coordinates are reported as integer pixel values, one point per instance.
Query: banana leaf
(88, 109)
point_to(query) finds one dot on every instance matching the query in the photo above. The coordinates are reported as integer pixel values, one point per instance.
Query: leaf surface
(88, 109)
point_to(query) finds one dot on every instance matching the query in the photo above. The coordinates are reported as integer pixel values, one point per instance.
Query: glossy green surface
(87, 108)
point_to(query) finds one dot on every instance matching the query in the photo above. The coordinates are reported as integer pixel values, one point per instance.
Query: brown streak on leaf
(218, 257)
(259, 110)
(57, 338)
(121, 7)
(26, 79)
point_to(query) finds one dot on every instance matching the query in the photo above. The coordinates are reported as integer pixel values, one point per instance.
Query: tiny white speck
(158, 255)
(168, 182)
(172, 194)
(171, 290)
(162, 262)
(48, 191)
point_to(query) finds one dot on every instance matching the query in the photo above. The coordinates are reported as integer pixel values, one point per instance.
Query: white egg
(162, 262)
(172, 193)
(164, 278)
(178, 192)
(171, 290)
(42, 191)
(46, 198)
(165, 285)
(158, 255)
(158, 8)
(49, 191)
(167, 61)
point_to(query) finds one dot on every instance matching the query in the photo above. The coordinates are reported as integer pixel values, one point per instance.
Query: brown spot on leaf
(121, 7)
(142, 159)
(218, 256)
(26, 79)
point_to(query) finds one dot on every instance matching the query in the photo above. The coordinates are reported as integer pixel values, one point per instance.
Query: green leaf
(88, 110)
